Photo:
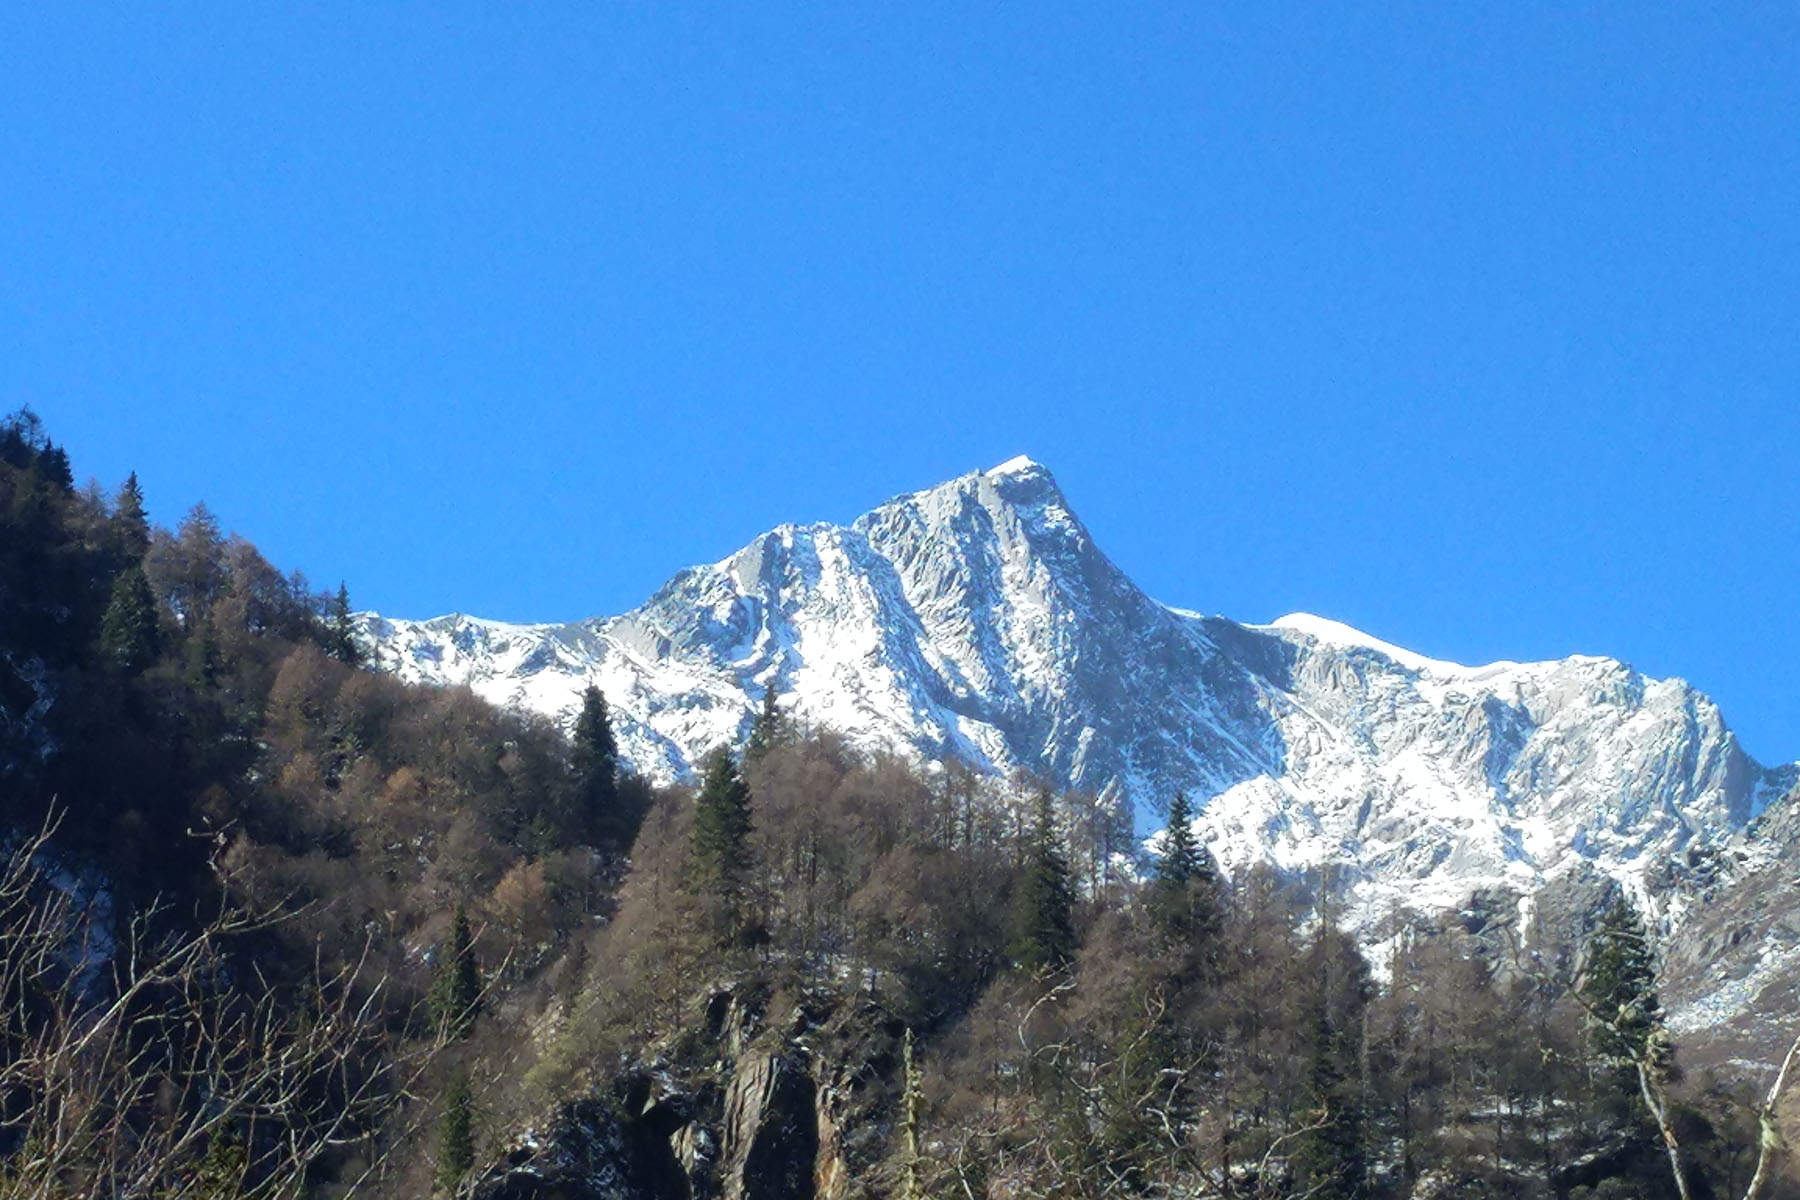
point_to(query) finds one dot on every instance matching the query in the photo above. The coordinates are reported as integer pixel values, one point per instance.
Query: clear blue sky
(1474, 327)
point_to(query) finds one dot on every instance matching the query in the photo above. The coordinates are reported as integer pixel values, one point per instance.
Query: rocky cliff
(755, 1107)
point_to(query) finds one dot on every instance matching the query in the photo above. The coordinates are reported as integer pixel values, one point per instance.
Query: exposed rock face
(1732, 963)
(26, 695)
(589, 1152)
(831, 1172)
(771, 1131)
(759, 1122)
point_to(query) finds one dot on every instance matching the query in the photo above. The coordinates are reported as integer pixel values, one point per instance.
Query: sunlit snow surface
(978, 619)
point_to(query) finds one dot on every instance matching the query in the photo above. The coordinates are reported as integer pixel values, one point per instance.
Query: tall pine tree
(128, 633)
(340, 632)
(768, 730)
(130, 524)
(719, 857)
(1184, 890)
(596, 765)
(454, 1000)
(200, 656)
(1043, 925)
(1331, 1157)
(1619, 986)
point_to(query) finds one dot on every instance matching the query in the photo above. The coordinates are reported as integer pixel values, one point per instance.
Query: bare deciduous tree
(153, 1063)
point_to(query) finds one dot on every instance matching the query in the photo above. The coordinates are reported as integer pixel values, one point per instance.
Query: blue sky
(1475, 328)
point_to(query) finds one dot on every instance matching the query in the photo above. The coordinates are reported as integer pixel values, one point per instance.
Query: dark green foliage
(56, 469)
(719, 858)
(768, 730)
(1619, 986)
(200, 655)
(130, 523)
(55, 572)
(1331, 1157)
(25, 446)
(594, 756)
(455, 997)
(1043, 927)
(22, 440)
(340, 633)
(1184, 890)
(128, 632)
(220, 1173)
(456, 1135)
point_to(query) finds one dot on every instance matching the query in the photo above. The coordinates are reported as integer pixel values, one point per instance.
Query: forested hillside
(276, 924)
(220, 823)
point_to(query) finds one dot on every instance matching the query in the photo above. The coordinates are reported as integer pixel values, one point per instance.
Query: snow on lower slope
(978, 619)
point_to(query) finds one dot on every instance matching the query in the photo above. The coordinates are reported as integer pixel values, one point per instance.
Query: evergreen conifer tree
(130, 523)
(454, 1000)
(1184, 890)
(340, 633)
(53, 466)
(1043, 928)
(128, 633)
(768, 730)
(456, 1135)
(596, 764)
(1331, 1158)
(719, 858)
(1619, 986)
(201, 655)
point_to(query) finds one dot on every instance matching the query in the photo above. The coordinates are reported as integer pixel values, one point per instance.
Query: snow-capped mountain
(979, 619)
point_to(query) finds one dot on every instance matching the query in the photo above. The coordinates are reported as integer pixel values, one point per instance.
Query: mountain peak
(1017, 506)
(1022, 479)
(1019, 464)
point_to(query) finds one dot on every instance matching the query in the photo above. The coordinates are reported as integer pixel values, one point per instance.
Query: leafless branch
(127, 1063)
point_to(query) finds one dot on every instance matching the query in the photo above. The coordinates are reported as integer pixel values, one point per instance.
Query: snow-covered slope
(978, 619)
(975, 619)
